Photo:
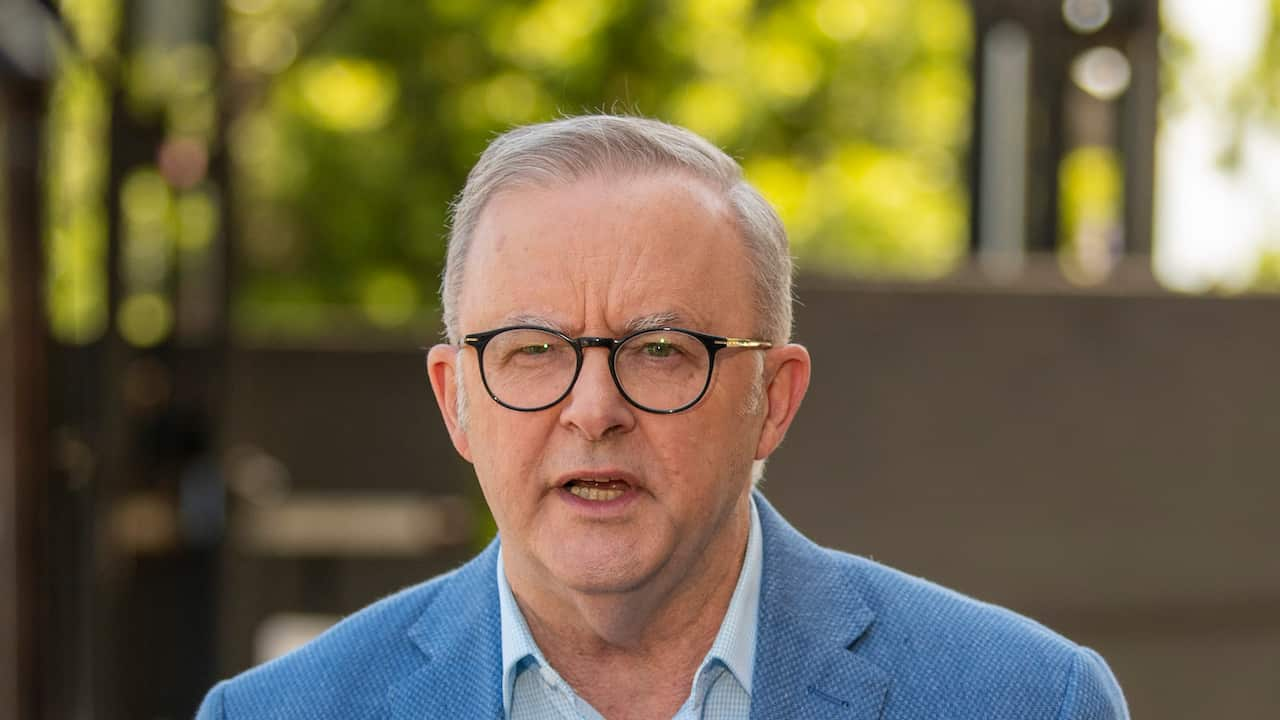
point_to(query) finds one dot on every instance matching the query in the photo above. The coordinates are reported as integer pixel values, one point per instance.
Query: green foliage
(355, 128)
(1267, 275)
(1246, 103)
(75, 217)
(1091, 179)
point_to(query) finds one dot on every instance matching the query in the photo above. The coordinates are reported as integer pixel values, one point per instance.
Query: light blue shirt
(720, 690)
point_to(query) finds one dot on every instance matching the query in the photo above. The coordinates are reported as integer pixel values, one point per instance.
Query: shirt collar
(734, 646)
(517, 641)
(735, 643)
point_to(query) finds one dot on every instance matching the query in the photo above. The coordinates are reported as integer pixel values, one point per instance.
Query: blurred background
(1039, 246)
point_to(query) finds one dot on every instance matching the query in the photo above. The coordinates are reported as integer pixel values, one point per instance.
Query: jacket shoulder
(347, 671)
(951, 655)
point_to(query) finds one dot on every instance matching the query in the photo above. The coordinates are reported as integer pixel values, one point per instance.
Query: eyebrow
(657, 319)
(532, 319)
(641, 322)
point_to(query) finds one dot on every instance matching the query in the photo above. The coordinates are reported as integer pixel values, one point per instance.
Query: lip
(598, 474)
(598, 509)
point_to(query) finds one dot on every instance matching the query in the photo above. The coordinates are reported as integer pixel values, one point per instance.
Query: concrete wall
(1108, 465)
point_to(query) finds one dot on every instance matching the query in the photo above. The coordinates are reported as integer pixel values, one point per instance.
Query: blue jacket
(839, 637)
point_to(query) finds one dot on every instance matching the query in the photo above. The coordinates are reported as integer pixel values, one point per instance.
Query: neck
(643, 643)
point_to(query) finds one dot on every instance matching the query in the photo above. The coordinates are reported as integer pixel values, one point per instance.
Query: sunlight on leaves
(554, 33)
(347, 94)
(95, 24)
(76, 239)
(842, 20)
(389, 298)
(712, 109)
(1092, 180)
(785, 69)
(145, 320)
(852, 117)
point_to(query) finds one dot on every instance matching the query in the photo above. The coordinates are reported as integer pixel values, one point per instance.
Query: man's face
(593, 258)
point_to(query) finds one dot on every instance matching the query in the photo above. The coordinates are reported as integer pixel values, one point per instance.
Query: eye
(537, 349)
(660, 349)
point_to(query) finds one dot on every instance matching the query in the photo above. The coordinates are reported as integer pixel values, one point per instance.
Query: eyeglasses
(659, 370)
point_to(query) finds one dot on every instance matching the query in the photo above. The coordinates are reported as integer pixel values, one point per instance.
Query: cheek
(707, 457)
(507, 448)
(502, 482)
(734, 431)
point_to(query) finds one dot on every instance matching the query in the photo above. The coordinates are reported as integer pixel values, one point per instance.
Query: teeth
(587, 492)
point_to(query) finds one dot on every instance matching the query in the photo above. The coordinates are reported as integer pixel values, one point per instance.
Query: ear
(442, 364)
(786, 380)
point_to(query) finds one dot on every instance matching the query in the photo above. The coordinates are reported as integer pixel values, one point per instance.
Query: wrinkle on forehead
(608, 256)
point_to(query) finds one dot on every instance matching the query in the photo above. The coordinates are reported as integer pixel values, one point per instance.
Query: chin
(612, 571)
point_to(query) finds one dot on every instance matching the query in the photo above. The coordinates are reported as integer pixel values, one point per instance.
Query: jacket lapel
(811, 615)
(459, 634)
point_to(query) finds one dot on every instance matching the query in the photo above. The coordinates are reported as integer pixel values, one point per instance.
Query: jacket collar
(811, 614)
(459, 635)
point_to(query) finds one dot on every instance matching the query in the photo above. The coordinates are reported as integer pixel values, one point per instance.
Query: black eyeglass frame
(713, 344)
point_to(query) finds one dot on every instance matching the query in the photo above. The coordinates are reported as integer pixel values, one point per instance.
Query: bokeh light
(1086, 16)
(1103, 72)
(76, 239)
(551, 33)
(95, 24)
(197, 220)
(346, 148)
(390, 297)
(1092, 194)
(347, 94)
(271, 47)
(183, 161)
(346, 156)
(147, 234)
(841, 20)
(713, 109)
(145, 320)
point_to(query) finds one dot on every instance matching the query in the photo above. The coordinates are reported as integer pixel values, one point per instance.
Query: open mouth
(597, 490)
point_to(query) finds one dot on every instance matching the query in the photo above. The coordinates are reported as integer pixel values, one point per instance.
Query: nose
(595, 407)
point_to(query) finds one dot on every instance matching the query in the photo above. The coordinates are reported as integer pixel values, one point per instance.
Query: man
(617, 301)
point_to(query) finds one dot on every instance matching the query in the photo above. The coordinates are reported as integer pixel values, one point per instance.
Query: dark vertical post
(977, 67)
(1050, 55)
(1134, 29)
(1138, 134)
(23, 475)
(161, 452)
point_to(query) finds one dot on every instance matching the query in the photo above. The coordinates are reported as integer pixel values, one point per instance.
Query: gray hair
(569, 149)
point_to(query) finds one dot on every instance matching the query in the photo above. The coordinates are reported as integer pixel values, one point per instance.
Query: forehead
(603, 251)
